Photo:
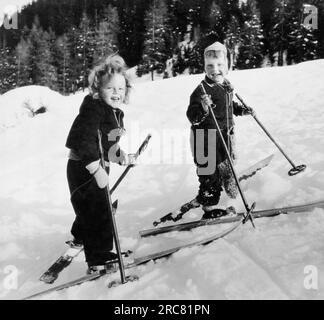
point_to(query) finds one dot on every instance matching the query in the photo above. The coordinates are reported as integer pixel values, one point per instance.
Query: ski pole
(295, 169)
(247, 208)
(137, 154)
(110, 212)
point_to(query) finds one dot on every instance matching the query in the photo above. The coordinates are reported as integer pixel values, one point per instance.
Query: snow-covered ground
(275, 261)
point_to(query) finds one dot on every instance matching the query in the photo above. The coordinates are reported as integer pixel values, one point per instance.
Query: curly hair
(103, 72)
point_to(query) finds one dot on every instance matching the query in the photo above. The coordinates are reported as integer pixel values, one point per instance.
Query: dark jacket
(95, 114)
(222, 97)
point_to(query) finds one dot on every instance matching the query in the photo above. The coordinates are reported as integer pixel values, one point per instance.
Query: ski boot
(107, 262)
(75, 243)
(109, 266)
(215, 213)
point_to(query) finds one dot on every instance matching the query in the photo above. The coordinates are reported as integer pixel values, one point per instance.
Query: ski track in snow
(258, 264)
(266, 263)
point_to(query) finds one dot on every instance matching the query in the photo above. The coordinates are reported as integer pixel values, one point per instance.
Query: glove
(249, 111)
(206, 101)
(99, 174)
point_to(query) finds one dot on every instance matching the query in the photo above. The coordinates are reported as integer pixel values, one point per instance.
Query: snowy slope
(266, 263)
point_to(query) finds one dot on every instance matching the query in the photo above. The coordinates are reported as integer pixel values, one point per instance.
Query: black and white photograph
(162, 151)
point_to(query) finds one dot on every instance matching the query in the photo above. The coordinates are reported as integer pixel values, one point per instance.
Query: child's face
(113, 90)
(215, 68)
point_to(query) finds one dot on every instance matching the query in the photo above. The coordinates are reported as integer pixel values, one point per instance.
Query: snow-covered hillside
(267, 263)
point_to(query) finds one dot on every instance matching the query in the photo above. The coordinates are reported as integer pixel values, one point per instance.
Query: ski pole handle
(211, 105)
(101, 151)
(143, 146)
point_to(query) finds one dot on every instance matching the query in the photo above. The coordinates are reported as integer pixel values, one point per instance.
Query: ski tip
(48, 278)
(266, 161)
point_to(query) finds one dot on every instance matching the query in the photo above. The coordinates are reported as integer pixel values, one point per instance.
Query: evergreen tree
(233, 40)
(251, 46)
(62, 63)
(8, 70)
(22, 58)
(40, 63)
(217, 24)
(85, 49)
(302, 42)
(72, 38)
(184, 55)
(91, 31)
(158, 38)
(290, 36)
(106, 36)
(278, 35)
(132, 29)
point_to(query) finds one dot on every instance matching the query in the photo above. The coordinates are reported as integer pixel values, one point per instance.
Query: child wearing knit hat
(213, 168)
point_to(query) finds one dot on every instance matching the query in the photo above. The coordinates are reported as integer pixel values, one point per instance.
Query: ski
(251, 171)
(53, 272)
(60, 264)
(147, 258)
(177, 215)
(256, 214)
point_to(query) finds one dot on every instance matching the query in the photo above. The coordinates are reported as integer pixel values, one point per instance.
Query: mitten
(99, 174)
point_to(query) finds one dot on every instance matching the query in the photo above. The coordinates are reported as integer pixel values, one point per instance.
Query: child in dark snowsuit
(215, 173)
(109, 88)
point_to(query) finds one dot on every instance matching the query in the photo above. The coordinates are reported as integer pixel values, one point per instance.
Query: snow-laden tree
(62, 62)
(106, 34)
(35, 58)
(84, 51)
(8, 70)
(158, 38)
(302, 41)
(23, 69)
(217, 23)
(233, 40)
(251, 38)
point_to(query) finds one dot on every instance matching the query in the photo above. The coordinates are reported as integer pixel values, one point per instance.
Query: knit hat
(217, 46)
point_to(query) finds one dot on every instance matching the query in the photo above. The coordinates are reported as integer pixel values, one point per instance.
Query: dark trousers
(93, 223)
(211, 183)
(210, 188)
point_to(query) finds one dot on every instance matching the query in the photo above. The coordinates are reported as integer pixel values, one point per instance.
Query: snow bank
(19, 104)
